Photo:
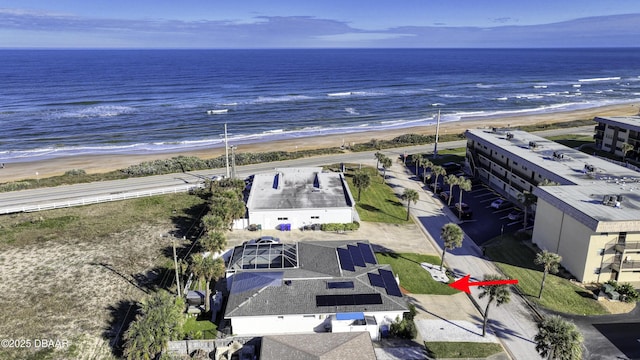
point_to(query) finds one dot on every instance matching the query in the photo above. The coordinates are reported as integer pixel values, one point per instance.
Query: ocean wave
(540, 86)
(279, 99)
(600, 79)
(95, 111)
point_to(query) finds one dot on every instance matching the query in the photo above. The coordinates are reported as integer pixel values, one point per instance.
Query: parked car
(445, 195)
(516, 215)
(463, 211)
(437, 188)
(264, 240)
(500, 204)
(451, 167)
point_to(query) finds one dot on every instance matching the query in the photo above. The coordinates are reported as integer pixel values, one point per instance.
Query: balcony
(626, 265)
(633, 246)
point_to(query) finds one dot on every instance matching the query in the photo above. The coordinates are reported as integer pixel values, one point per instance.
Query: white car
(500, 204)
(264, 240)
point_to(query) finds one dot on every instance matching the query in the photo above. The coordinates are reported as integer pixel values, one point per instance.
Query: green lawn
(378, 202)
(456, 350)
(200, 328)
(412, 276)
(516, 261)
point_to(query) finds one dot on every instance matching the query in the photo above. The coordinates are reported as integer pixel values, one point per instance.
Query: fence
(96, 199)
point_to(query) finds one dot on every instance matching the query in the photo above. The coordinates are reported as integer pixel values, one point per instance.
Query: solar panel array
(345, 260)
(344, 300)
(390, 283)
(353, 256)
(386, 280)
(340, 285)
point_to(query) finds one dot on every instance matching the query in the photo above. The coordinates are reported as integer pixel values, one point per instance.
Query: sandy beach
(104, 163)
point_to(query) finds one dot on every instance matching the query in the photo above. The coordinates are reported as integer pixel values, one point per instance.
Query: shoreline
(109, 162)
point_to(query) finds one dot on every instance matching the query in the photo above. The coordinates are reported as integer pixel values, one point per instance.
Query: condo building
(591, 217)
(612, 132)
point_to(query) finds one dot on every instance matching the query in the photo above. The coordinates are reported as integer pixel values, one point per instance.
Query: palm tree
(361, 180)
(386, 164)
(498, 293)
(426, 163)
(550, 262)
(452, 236)
(411, 196)
(378, 155)
(159, 321)
(451, 180)
(207, 269)
(625, 147)
(212, 222)
(558, 339)
(527, 199)
(464, 184)
(437, 171)
(213, 241)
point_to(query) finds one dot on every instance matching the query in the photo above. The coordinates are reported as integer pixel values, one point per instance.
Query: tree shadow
(369, 207)
(121, 316)
(500, 330)
(188, 225)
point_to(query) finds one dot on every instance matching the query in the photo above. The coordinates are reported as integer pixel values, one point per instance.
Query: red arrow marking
(463, 283)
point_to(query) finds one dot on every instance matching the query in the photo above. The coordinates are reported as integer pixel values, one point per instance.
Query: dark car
(463, 211)
(445, 195)
(516, 215)
(451, 167)
(436, 188)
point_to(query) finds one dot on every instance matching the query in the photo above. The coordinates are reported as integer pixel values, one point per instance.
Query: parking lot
(484, 222)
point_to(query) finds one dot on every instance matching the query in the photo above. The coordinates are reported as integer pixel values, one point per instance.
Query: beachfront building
(310, 287)
(591, 218)
(612, 132)
(295, 197)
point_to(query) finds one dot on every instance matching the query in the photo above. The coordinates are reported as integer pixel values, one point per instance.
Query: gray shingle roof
(297, 293)
(322, 346)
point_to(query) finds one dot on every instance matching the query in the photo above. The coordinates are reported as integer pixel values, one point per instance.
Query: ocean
(75, 102)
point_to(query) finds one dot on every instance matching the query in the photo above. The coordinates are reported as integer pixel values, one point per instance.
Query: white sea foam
(351, 111)
(502, 98)
(278, 99)
(539, 86)
(95, 111)
(600, 79)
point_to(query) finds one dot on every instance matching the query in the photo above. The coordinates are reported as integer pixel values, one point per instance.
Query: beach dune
(103, 163)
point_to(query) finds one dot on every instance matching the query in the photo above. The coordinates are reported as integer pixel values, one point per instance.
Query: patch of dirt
(65, 290)
(617, 307)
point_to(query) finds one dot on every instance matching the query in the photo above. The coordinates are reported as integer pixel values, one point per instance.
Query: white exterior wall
(270, 219)
(272, 325)
(297, 324)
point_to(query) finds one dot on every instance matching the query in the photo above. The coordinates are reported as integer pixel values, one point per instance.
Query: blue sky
(327, 23)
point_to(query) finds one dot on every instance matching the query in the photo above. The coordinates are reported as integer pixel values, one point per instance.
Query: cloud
(503, 20)
(306, 31)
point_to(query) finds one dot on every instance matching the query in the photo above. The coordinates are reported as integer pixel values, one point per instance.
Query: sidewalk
(512, 323)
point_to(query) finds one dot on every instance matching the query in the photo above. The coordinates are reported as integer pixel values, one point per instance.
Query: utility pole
(233, 161)
(435, 146)
(226, 149)
(175, 262)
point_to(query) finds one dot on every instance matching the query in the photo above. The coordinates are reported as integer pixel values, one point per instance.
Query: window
(601, 252)
(315, 217)
(597, 270)
(515, 163)
(281, 317)
(283, 218)
(309, 316)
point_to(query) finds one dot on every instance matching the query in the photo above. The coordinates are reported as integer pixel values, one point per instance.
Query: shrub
(626, 291)
(75, 172)
(404, 329)
(340, 227)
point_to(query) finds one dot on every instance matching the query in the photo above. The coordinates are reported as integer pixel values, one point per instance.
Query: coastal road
(82, 194)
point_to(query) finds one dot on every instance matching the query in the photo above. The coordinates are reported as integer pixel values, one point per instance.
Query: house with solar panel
(295, 197)
(310, 287)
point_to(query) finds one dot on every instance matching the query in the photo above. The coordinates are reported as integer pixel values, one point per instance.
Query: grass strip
(457, 350)
(412, 276)
(516, 260)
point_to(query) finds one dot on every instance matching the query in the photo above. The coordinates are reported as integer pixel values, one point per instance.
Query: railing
(97, 199)
(620, 247)
(630, 265)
